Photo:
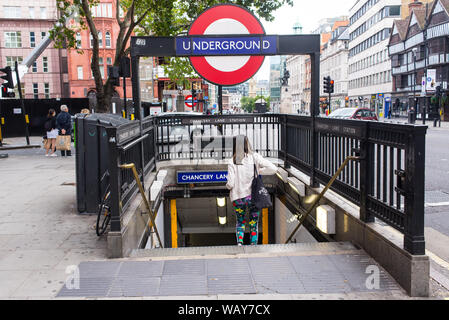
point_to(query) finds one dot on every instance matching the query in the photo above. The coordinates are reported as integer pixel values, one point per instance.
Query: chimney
(415, 4)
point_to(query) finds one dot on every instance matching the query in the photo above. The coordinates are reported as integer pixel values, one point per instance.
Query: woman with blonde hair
(240, 177)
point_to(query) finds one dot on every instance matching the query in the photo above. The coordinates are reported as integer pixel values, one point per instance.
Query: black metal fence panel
(37, 110)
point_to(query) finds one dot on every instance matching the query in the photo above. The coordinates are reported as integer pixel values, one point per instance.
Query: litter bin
(411, 117)
(92, 157)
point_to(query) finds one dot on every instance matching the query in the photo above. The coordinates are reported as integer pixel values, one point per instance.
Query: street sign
(431, 79)
(231, 63)
(188, 101)
(423, 85)
(187, 177)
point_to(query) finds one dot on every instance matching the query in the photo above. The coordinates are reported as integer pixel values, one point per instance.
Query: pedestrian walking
(240, 177)
(64, 125)
(51, 132)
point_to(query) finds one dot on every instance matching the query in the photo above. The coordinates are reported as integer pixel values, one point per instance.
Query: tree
(142, 17)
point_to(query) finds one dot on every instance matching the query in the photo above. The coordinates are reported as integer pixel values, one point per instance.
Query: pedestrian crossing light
(6, 93)
(7, 77)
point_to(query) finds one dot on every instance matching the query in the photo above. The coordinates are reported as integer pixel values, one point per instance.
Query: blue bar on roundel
(211, 46)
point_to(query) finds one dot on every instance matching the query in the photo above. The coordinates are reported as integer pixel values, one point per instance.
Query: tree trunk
(104, 99)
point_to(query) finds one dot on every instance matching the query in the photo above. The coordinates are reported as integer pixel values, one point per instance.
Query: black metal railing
(388, 182)
(210, 137)
(129, 143)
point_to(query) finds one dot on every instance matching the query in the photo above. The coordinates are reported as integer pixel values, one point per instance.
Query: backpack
(259, 194)
(47, 125)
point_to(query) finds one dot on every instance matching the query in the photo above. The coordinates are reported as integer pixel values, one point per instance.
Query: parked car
(353, 113)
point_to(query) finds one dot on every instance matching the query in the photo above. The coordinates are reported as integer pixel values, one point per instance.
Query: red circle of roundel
(200, 25)
(189, 104)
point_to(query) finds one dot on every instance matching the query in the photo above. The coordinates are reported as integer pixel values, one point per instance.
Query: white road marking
(438, 260)
(436, 204)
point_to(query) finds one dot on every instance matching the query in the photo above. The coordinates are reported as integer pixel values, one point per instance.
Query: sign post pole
(22, 105)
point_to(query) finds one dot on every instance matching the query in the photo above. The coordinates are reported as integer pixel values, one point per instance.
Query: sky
(307, 13)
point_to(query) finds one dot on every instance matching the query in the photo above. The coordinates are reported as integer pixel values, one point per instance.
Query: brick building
(23, 24)
(80, 73)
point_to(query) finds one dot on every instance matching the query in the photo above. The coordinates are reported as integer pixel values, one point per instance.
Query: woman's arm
(265, 166)
(231, 176)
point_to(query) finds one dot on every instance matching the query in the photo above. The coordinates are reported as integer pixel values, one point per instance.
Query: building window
(34, 67)
(43, 34)
(32, 39)
(108, 39)
(80, 72)
(45, 64)
(47, 90)
(100, 39)
(10, 61)
(43, 12)
(101, 64)
(78, 40)
(35, 90)
(32, 13)
(13, 39)
(12, 12)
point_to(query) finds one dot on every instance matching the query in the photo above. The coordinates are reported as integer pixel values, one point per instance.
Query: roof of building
(341, 23)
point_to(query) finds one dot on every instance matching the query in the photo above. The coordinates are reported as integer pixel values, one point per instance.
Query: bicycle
(104, 209)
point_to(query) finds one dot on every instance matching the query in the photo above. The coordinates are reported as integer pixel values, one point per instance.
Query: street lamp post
(414, 84)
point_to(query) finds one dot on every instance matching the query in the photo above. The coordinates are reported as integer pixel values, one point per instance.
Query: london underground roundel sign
(188, 101)
(220, 20)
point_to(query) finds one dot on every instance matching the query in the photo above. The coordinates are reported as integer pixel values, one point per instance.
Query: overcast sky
(307, 13)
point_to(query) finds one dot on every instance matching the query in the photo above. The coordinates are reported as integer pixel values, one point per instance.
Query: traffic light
(114, 76)
(193, 93)
(438, 91)
(327, 81)
(6, 94)
(7, 77)
(331, 86)
(125, 67)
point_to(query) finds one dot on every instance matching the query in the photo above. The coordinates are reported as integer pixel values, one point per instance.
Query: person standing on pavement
(240, 177)
(52, 133)
(64, 125)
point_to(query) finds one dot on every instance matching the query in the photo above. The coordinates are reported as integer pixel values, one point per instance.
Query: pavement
(43, 239)
(41, 233)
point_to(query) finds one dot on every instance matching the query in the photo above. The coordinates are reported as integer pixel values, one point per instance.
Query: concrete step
(312, 248)
(229, 272)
